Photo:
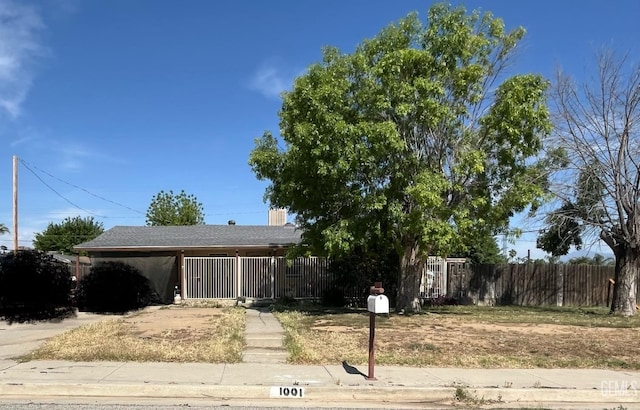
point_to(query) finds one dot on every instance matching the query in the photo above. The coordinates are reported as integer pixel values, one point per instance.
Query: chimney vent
(277, 217)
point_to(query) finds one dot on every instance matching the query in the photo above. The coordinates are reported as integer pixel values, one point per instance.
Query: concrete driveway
(20, 338)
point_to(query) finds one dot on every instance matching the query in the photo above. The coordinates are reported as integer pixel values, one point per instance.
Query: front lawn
(169, 334)
(468, 336)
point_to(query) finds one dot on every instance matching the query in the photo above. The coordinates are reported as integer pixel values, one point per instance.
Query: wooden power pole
(15, 204)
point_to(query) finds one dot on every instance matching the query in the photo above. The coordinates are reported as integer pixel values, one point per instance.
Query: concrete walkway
(21, 338)
(395, 387)
(263, 380)
(264, 336)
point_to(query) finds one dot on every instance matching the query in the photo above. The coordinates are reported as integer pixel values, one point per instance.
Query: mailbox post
(376, 303)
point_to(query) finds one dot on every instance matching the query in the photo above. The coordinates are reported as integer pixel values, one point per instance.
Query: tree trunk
(411, 266)
(626, 277)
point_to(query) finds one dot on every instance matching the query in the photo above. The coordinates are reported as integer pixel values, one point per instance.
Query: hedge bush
(334, 297)
(34, 286)
(114, 287)
(355, 272)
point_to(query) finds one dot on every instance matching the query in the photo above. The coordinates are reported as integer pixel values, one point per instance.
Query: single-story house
(160, 251)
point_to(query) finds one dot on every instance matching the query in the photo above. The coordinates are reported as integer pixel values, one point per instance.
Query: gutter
(177, 248)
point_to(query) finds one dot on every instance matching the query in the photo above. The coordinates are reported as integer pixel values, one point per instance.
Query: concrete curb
(378, 394)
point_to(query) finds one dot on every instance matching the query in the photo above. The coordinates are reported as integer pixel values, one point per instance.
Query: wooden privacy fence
(532, 284)
(79, 271)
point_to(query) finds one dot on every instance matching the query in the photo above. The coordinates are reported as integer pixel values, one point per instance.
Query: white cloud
(63, 8)
(271, 80)
(73, 156)
(22, 140)
(19, 48)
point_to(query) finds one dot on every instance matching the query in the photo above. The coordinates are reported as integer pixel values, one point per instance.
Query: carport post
(273, 277)
(182, 279)
(239, 273)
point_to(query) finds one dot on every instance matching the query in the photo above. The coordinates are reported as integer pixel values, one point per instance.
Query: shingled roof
(190, 237)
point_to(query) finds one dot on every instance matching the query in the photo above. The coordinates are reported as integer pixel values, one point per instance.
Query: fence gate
(434, 278)
(210, 278)
(257, 277)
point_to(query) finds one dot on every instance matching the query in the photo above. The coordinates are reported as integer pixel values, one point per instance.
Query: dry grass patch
(500, 337)
(174, 334)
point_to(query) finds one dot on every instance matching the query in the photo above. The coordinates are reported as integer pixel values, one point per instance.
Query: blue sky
(110, 101)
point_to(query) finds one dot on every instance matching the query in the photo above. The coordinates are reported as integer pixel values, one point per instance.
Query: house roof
(190, 237)
(70, 259)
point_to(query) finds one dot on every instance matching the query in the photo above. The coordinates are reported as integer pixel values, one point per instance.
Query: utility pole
(15, 204)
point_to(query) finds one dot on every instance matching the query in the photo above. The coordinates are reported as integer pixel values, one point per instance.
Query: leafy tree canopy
(479, 247)
(3, 229)
(562, 231)
(62, 237)
(416, 137)
(167, 209)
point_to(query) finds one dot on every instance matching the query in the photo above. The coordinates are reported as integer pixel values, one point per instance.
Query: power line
(80, 188)
(29, 166)
(59, 194)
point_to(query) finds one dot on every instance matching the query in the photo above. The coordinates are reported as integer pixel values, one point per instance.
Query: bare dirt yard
(174, 323)
(165, 334)
(509, 337)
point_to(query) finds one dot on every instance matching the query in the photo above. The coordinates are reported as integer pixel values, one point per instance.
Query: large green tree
(169, 209)
(61, 237)
(598, 125)
(479, 247)
(416, 138)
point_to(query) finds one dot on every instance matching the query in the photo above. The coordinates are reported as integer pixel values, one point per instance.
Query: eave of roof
(179, 248)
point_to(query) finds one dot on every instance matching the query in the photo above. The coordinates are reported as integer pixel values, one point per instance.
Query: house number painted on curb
(292, 392)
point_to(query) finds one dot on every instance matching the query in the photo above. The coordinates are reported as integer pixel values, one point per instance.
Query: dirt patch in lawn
(460, 341)
(166, 334)
(456, 337)
(178, 324)
(455, 341)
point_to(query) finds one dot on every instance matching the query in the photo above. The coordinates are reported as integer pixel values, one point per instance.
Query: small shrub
(34, 286)
(114, 287)
(334, 297)
(442, 300)
(286, 301)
